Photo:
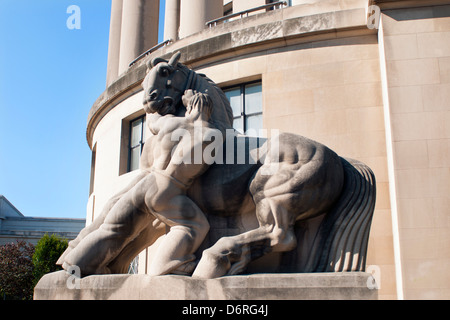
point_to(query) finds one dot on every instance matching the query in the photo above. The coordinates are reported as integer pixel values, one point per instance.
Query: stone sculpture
(285, 179)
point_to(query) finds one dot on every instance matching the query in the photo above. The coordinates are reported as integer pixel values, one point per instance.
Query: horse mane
(222, 114)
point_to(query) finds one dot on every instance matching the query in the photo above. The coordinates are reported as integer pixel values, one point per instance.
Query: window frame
(243, 114)
(92, 176)
(141, 142)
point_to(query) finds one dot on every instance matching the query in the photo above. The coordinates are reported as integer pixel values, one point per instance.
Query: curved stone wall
(320, 76)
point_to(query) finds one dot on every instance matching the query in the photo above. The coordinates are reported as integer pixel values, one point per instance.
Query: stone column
(140, 20)
(112, 70)
(195, 13)
(172, 20)
(241, 5)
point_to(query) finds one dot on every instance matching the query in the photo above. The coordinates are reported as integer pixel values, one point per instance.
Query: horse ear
(174, 60)
(154, 62)
(149, 66)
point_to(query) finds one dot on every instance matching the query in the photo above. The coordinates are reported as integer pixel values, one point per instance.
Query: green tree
(16, 271)
(46, 253)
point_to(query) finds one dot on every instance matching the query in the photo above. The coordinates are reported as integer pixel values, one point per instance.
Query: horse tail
(342, 238)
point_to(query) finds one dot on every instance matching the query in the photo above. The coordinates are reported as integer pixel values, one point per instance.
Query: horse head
(164, 85)
(166, 82)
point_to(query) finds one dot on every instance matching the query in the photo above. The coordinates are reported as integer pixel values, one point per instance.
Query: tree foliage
(22, 265)
(16, 271)
(47, 251)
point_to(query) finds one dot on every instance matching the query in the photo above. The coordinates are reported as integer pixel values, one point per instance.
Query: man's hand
(188, 94)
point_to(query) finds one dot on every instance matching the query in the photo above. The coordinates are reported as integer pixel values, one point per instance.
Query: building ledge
(275, 29)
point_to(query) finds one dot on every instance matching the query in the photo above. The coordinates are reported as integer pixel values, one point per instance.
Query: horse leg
(231, 255)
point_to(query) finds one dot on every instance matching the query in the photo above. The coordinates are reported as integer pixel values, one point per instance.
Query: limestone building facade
(368, 78)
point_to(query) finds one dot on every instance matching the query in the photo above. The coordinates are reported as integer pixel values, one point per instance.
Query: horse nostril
(153, 95)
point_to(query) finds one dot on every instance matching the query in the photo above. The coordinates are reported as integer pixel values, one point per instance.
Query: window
(271, 1)
(133, 268)
(136, 142)
(246, 102)
(227, 8)
(93, 158)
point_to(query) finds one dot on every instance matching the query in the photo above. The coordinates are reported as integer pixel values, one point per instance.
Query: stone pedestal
(299, 286)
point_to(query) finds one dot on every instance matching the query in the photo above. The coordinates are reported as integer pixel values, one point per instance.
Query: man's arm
(168, 123)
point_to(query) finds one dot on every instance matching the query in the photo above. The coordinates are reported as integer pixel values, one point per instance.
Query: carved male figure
(175, 167)
(309, 180)
(161, 194)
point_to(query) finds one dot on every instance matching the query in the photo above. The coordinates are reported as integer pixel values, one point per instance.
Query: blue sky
(49, 78)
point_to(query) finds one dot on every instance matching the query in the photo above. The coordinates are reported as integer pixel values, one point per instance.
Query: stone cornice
(257, 33)
(402, 4)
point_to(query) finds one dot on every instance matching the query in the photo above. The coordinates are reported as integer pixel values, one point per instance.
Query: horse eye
(164, 72)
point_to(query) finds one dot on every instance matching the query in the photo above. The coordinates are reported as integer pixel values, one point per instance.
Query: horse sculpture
(285, 179)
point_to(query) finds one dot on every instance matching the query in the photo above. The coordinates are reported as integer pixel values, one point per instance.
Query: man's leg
(127, 218)
(188, 228)
(101, 218)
